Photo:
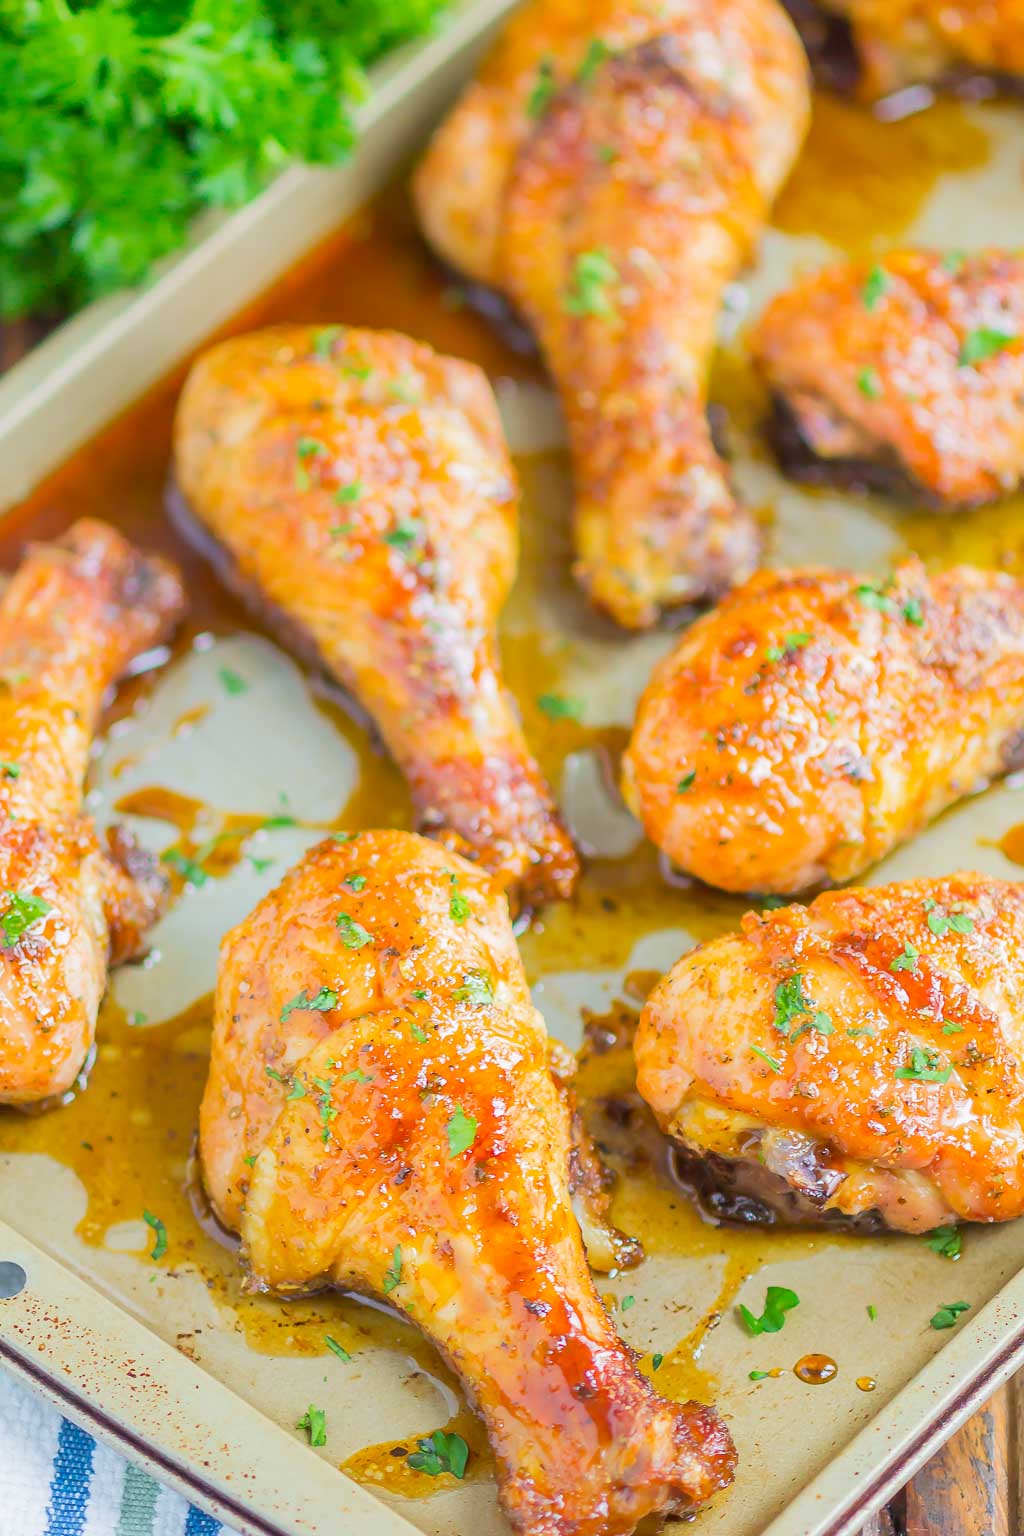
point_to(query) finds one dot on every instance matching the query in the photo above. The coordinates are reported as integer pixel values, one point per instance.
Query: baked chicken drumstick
(357, 484)
(610, 170)
(74, 616)
(895, 43)
(818, 718)
(381, 1116)
(904, 375)
(860, 1060)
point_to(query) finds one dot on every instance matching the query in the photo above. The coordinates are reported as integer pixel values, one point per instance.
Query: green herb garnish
(925, 1067)
(23, 911)
(477, 987)
(159, 1247)
(393, 1274)
(775, 1066)
(323, 1002)
(441, 1452)
(557, 707)
(353, 934)
(543, 91)
(592, 274)
(336, 1348)
(947, 1241)
(461, 1130)
(314, 1421)
(947, 1315)
(869, 384)
(983, 343)
(686, 782)
(878, 283)
(232, 683)
(907, 960)
(777, 1302)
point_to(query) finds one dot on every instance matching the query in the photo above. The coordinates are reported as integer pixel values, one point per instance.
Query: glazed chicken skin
(819, 718)
(73, 618)
(381, 1115)
(859, 1060)
(898, 43)
(357, 484)
(905, 375)
(610, 170)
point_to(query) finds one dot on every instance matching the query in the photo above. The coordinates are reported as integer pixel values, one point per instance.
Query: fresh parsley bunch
(121, 119)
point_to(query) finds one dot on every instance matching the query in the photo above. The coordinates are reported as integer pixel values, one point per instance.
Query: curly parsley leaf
(779, 1300)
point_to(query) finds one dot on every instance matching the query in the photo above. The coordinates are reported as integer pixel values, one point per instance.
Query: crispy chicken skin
(897, 43)
(361, 488)
(909, 373)
(818, 718)
(610, 170)
(862, 1057)
(72, 619)
(405, 1137)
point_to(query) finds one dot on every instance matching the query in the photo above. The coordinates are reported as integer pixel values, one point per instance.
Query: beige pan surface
(238, 780)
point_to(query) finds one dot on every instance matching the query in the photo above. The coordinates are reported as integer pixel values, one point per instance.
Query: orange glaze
(817, 719)
(815, 1370)
(875, 367)
(908, 1088)
(360, 485)
(406, 1136)
(663, 160)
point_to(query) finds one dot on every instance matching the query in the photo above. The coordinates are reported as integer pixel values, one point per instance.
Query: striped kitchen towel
(55, 1480)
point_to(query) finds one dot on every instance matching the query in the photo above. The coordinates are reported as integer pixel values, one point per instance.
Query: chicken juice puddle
(127, 1136)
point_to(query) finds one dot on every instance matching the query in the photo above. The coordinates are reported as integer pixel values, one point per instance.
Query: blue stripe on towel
(70, 1483)
(199, 1524)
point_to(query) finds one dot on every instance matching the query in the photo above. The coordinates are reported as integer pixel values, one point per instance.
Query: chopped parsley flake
(626, 1303)
(393, 1274)
(477, 987)
(907, 961)
(190, 871)
(686, 782)
(232, 683)
(23, 911)
(941, 922)
(947, 1315)
(985, 342)
(597, 52)
(324, 339)
(949, 1028)
(760, 1375)
(354, 882)
(872, 1311)
(794, 641)
(461, 1130)
(791, 1004)
(323, 1002)
(357, 1075)
(869, 384)
(418, 1033)
(441, 1452)
(946, 1241)
(353, 934)
(314, 1421)
(557, 707)
(657, 1361)
(592, 272)
(872, 597)
(159, 1247)
(10, 770)
(878, 283)
(777, 1302)
(864, 1029)
(913, 612)
(406, 536)
(542, 94)
(775, 1066)
(336, 1348)
(458, 907)
(348, 493)
(925, 1067)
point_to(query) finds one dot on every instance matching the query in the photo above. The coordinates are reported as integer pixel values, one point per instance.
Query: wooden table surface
(975, 1486)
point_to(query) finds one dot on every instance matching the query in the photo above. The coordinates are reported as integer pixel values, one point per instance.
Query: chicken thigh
(73, 618)
(906, 374)
(860, 1060)
(358, 486)
(817, 719)
(610, 170)
(882, 46)
(381, 1116)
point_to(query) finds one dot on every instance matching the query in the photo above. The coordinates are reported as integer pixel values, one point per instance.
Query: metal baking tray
(164, 1360)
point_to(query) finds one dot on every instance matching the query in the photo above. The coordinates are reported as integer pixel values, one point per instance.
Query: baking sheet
(276, 753)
